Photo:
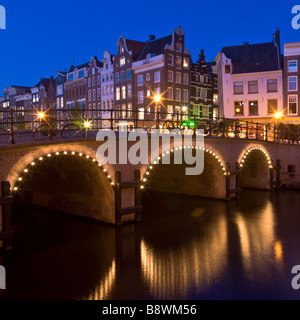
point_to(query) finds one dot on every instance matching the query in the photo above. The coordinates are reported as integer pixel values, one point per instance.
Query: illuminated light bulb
(142, 187)
(20, 179)
(176, 149)
(99, 165)
(163, 154)
(180, 148)
(57, 153)
(219, 160)
(167, 152)
(26, 170)
(80, 154)
(144, 179)
(94, 160)
(32, 163)
(15, 188)
(112, 183)
(108, 176)
(49, 155)
(147, 173)
(87, 124)
(87, 157)
(151, 168)
(73, 153)
(217, 157)
(172, 150)
(210, 151)
(184, 147)
(271, 167)
(104, 170)
(41, 158)
(154, 162)
(159, 158)
(65, 152)
(243, 160)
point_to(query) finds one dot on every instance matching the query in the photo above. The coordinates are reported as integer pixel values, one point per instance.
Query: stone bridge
(65, 175)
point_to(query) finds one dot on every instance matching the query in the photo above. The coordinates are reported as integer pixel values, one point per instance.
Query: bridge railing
(18, 125)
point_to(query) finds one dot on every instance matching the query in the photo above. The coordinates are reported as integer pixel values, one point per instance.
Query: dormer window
(93, 71)
(122, 49)
(70, 77)
(122, 62)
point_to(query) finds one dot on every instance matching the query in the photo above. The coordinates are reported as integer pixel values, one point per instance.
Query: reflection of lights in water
(278, 250)
(195, 265)
(257, 239)
(102, 291)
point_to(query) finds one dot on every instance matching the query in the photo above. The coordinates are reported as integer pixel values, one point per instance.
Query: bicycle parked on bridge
(47, 129)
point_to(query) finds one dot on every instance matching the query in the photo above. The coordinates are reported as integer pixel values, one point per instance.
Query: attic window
(122, 49)
(227, 68)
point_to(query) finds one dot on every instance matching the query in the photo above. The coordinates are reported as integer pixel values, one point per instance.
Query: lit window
(293, 105)
(185, 62)
(292, 83)
(253, 108)
(157, 76)
(122, 49)
(238, 87)
(169, 111)
(148, 93)
(140, 80)
(129, 90)
(178, 62)
(141, 113)
(140, 97)
(215, 98)
(122, 62)
(292, 66)
(201, 78)
(123, 92)
(118, 93)
(238, 107)
(129, 110)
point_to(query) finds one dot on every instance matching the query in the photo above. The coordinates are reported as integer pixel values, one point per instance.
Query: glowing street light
(41, 115)
(87, 124)
(157, 98)
(184, 108)
(278, 115)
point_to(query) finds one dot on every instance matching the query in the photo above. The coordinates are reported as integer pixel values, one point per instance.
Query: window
(169, 111)
(157, 76)
(140, 97)
(253, 108)
(140, 80)
(107, 90)
(201, 93)
(59, 90)
(253, 86)
(98, 93)
(292, 66)
(128, 74)
(178, 77)
(178, 62)
(227, 68)
(98, 80)
(148, 93)
(90, 95)
(123, 92)
(93, 71)
(185, 78)
(129, 91)
(170, 76)
(185, 63)
(122, 62)
(201, 78)
(129, 110)
(103, 90)
(123, 76)
(293, 105)
(124, 115)
(118, 93)
(112, 89)
(170, 93)
(215, 98)
(61, 102)
(238, 107)
(170, 60)
(185, 95)
(70, 77)
(107, 77)
(94, 94)
(122, 49)
(141, 113)
(272, 106)
(157, 92)
(103, 78)
(177, 94)
(90, 82)
(238, 88)
(292, 81)
(178, 47)
(81, 74)
(108, 104)
(104, 105)
(148, 77)
(94, 81)
(117, 78)
(272, 85)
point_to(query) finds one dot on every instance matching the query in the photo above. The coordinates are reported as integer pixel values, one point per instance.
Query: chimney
(202, 52)
(151, 37)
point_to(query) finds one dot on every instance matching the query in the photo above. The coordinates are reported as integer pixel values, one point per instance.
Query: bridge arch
(86, 188)
(212, 158)
(255, 163)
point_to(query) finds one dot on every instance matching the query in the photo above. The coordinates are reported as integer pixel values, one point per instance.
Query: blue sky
(44, 36)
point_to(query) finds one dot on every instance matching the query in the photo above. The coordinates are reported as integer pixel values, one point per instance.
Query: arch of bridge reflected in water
(184, 248)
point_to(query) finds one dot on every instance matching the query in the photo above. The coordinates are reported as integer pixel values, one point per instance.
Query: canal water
(184, 248)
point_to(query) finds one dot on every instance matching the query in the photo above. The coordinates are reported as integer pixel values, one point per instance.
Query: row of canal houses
(157, 78)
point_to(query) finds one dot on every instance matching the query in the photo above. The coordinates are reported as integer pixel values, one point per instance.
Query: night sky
(44, 36)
